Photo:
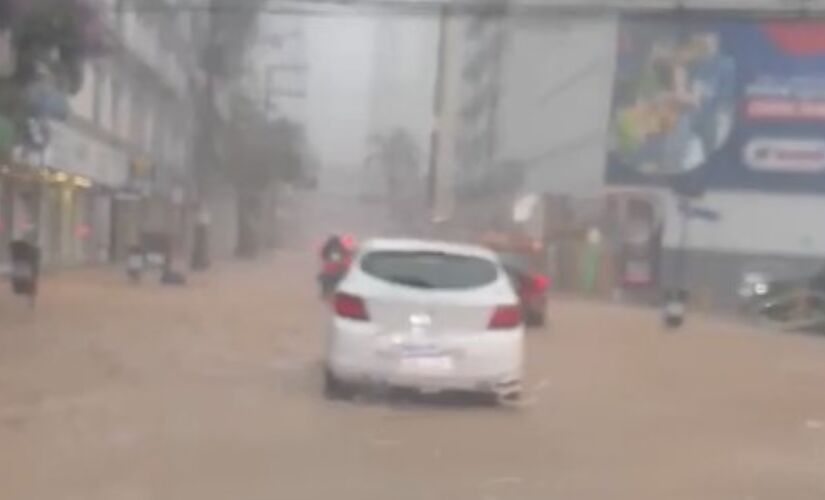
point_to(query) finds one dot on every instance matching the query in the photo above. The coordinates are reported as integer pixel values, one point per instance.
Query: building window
(125, 112)
(159, 131)
(115, 107)
(97, 96)
(137, 119)
(149, 130)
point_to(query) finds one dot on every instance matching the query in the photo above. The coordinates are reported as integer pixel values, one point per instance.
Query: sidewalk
(90, 325)
(89, 291)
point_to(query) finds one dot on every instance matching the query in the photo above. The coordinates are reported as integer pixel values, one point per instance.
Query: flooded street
(213, 391)
(181, 181)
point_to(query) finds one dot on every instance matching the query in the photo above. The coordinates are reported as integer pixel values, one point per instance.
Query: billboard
(722, 103)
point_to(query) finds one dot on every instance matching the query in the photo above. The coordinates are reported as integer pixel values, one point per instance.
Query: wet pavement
(212, 391)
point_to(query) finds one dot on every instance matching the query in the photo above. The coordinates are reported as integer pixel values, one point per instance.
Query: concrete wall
(756, 223)
(554, 113)
(780, 235)
(555, 100)
(449, 122)
(283, 51)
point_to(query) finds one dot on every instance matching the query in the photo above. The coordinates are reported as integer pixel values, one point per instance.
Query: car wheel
(335, 388)
(508, 399)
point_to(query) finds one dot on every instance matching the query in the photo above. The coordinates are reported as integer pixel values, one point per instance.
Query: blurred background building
(527, 96)
(116, 159)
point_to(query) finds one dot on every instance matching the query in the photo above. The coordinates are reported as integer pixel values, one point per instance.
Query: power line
(556, 8)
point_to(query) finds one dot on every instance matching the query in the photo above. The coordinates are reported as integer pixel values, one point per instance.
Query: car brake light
(505, 317)
(350, 307)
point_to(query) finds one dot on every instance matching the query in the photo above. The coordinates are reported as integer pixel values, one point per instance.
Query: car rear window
(430, 270)
(517, 261)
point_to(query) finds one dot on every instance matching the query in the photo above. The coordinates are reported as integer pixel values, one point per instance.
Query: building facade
(466, 167)
(277, 68)
(118, 165)
(552, 118)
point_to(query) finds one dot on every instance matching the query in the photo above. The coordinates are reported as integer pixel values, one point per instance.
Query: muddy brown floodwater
(114, 392)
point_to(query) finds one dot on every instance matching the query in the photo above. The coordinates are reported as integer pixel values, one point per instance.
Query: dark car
(530, 283)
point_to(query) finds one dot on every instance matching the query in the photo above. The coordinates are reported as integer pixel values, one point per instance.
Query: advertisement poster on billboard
(736, 104)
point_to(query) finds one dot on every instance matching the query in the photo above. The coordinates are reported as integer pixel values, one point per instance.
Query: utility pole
(436, 135)
(204, 141)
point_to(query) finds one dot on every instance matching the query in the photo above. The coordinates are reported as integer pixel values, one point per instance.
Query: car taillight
(505, 317)
(350, 307)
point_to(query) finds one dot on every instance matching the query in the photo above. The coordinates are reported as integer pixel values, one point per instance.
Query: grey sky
(340, 60)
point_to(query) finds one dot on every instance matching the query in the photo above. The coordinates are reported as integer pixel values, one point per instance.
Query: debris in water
(814, 424)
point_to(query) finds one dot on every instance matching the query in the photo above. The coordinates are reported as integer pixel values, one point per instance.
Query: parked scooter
(25, 271)
(135, 264)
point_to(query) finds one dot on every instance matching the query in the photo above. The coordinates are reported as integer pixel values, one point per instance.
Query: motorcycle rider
(337, 246)
(336, 254)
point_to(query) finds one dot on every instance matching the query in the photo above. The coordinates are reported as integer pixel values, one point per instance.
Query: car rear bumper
(484, 361)
(503, 383)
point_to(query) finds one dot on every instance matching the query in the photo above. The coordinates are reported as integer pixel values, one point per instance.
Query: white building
(119, 164)
(471, 57)
(556, 86)
(277, 67)
(552, 113)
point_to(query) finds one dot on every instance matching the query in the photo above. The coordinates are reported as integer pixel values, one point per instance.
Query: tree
(51, 40)
(246, 149)
(56, 36)
(260, 153)
(231, 31)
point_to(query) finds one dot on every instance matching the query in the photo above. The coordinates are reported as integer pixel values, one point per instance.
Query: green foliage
(55, 37)
(233, 30)
(51, 40)
(260, 152)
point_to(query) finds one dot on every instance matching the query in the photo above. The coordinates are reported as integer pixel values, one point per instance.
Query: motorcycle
(135, 264)
(332, 272)
(787, 305)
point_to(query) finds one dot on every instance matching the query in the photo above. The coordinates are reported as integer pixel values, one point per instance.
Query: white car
(425, 315)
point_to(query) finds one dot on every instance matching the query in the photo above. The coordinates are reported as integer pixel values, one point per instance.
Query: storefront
(5, 217)
(81, 176)
(125, 224)
(19, 206)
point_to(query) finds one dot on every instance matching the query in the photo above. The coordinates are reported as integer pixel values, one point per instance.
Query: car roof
(418, 245)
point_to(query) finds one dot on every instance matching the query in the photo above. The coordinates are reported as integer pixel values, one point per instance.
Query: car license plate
(427, 365)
